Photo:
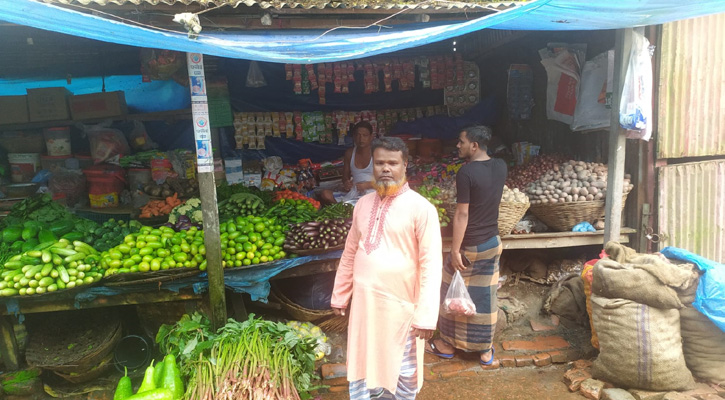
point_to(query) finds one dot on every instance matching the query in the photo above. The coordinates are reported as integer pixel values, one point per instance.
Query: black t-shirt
(480, 184)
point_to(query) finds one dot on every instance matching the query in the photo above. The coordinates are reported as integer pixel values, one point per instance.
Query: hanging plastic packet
(458, 301)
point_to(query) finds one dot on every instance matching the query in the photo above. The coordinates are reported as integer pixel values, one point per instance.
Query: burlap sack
(639, 346)
(646, 280)
(704, 346)
(567, 300)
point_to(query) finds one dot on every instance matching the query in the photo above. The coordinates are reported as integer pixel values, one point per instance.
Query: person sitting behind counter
(357, 171)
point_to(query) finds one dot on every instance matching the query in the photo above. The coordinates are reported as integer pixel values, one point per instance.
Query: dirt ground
(502, 384)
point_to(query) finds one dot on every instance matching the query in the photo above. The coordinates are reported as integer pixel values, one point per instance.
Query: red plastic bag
(107, 145)
(458, 301)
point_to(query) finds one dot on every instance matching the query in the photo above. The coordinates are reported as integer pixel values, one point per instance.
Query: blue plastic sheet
(710, 296)
(314, 46)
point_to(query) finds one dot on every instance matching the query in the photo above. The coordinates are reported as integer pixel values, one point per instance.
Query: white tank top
(361, 174)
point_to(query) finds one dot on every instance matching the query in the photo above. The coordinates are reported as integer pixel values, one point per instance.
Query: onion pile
(521, 176)
(514, 196)
(573, 181)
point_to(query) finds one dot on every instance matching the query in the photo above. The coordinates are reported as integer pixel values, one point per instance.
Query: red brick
(591, 389)
(508, 361)
(647, 395)
(456, 366)
(455, 374)
(541, 327)
(524, 361)
(582, 364)
(719, 389)
(574, 377)
(557, 357)
(496, 364)
(330, 371)
(709, 396)
(555, 320)
(336, 381)
(430, 375)
(431, 359)
(542, 359)
(339, 389)
(677, 396)
(700, 390)
(542, 343)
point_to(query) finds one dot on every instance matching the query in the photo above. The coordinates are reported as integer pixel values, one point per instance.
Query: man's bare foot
(486, 357)
(440, 347)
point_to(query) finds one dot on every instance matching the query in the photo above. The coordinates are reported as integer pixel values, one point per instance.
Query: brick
(543, 343)
(507, 361)
(524, 361)
(719, 389)
(455, 366)
(537, 326)
(582, 364)
(339, 389)
(574, 377)
(430, 375)
(592, 389)
(336, 381)
(616, 394)
(330, 371)
(699, 390)
(677, 396)
(431, 359)
(455, 374)
(555, 320)
(558, 357)
(647, 395)
(542, 359)
(496, 364)
(709, 396)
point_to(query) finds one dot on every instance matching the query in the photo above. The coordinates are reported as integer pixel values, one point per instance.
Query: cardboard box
(48, 104)
(13, 109)
(98, 105)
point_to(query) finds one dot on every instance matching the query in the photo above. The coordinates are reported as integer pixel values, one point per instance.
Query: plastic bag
(563, 67)
(591, 109)
(635, 108)
(107, 145)
(583, 227)
(255, 78)
(458, 301)
(138, 138)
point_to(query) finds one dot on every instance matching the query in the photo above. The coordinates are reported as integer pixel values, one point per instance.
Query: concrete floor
(527, 383)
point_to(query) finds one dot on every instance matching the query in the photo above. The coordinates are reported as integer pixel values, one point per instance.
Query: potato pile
(573, 181)
(514, 196)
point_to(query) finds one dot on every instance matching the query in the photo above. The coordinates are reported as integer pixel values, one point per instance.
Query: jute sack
(639, 346)
(703, 344)
(647, 280)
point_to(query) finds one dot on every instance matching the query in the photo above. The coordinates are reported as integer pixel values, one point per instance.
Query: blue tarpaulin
(314, 46)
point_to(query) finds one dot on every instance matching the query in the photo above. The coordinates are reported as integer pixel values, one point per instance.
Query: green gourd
(155, 394)
(124, 389)
(172, 378)
(148, 380)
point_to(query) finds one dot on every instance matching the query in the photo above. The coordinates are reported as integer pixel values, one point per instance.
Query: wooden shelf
(154, 116)
(551, 240)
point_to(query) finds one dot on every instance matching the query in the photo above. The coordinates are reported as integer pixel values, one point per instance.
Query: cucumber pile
(50, 266)
(241, 204)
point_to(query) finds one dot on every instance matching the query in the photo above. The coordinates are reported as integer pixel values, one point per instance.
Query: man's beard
(389, 188)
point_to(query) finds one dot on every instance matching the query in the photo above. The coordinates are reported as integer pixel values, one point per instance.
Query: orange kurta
(391, 267)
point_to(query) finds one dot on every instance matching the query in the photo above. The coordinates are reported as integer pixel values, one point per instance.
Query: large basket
(564, 216)
(296, 311)
(509, 214)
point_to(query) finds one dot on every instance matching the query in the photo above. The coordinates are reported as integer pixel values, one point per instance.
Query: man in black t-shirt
(475, 250)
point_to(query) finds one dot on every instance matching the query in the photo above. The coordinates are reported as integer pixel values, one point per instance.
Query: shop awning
(310, 46)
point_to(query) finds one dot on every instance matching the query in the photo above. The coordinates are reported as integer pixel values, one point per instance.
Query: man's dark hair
(362, 124)
(479, 134)
(391, 144)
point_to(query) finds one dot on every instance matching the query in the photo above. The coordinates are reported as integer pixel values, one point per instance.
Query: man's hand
(363, 186)
(457, 261)
(339, 311)
(347, 184)
(425, 334)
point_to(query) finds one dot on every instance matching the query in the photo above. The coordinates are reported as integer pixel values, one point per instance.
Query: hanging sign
(200, 113)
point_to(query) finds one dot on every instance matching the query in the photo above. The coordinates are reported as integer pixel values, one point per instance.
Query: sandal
(436, 352)
(489, 362)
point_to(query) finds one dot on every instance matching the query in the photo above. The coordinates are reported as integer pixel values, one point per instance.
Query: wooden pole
(207, 188)
(617, 139)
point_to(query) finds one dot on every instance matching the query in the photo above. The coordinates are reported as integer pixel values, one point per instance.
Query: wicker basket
(564, 216)
(509, 214)
(298, 312)
(94, 372)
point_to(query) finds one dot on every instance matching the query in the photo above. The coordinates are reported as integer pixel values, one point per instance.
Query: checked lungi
(474, 333)
(407, 381)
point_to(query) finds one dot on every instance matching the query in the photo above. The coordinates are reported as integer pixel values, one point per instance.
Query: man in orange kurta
(391, 268)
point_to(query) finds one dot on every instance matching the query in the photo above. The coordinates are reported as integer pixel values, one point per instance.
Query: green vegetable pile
(240, 204)
(335, 211)
(431, 193)
(156, 249)
(224, 191)
(292, 211)
(50, 266)
(40, 208)
(191, 208)
(254, 359)
(160, 382)
(111, 234)
(251, 240)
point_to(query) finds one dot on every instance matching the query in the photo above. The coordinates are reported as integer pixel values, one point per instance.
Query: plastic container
(23, 166)
(84, 161)
(53, 163)
(57, 140)
(132, 352)
(138, 178)
(105, 183)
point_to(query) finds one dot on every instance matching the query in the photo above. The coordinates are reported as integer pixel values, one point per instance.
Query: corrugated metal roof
(692, 88)
(692, 207)
(311, 4)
